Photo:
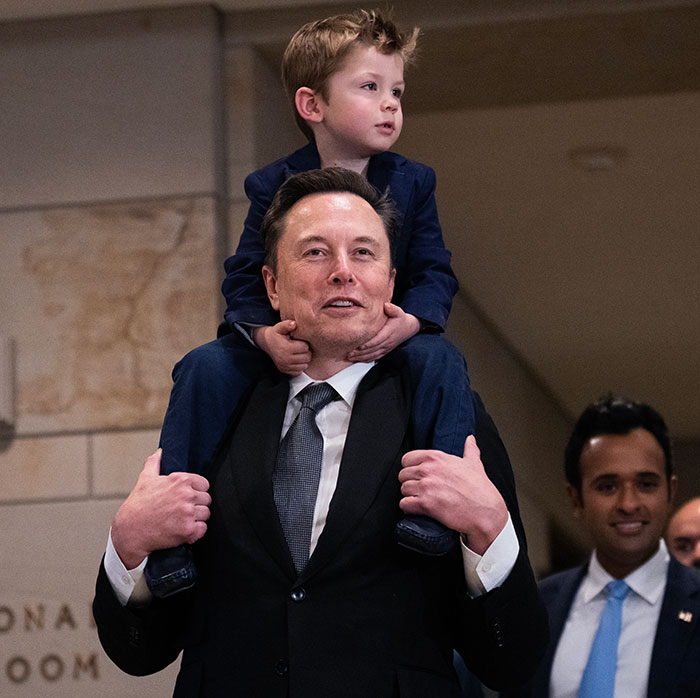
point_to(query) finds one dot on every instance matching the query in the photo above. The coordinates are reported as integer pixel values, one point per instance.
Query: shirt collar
(647, 581)
(345, 382)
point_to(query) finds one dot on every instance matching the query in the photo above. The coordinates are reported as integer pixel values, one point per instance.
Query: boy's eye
(369, 86)
(397, 92)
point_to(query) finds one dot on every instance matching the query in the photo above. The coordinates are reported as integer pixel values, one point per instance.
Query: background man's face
(625, 498)
(683, 535)
(333, 272)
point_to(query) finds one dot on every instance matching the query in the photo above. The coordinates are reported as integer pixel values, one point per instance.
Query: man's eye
(605, 487)
(364, 252)
(313, 253)
(648, 485)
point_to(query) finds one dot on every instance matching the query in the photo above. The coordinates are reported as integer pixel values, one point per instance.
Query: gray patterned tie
(298, 470)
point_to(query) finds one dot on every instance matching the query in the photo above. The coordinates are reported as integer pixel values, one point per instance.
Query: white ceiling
(589, 276)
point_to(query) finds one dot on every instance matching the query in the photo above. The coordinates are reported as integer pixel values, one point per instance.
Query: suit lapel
(386, 171)
(302, 160)
(252, 457)
(375, 436)
(679, 618)
(558, 596)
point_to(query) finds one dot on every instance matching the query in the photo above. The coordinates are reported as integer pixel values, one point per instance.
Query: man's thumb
(152, 464)
(469, 444)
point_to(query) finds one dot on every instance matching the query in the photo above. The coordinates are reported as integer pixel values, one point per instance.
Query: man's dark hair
(614, 415)
(330, 179)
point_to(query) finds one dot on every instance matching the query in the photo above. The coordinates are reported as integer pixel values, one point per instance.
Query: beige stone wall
(110, 250)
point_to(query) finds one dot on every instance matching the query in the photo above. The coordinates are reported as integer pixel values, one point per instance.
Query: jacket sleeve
(243, 287)
(425, 280)
(512, 618)
(140, 641)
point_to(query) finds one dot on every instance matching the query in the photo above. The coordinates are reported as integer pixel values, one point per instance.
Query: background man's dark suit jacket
(366, 617)
(675, 661)
(425, 282)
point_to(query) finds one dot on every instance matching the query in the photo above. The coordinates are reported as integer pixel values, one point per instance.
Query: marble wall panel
(44, 468)
(49, 557)
(107, 107)
(237, 213)
(118, 459)
(101, 302)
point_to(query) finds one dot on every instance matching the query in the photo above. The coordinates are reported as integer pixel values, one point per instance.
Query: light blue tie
(598, 679)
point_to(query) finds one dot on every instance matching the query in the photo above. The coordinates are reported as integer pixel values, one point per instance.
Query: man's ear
(392, 277)
(309, 104)
(575, 500)
(271, 285)
(672, 488)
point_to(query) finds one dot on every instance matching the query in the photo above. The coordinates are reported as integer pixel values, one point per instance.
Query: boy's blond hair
(317, 50)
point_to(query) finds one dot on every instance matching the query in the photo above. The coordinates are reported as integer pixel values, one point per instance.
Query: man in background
(683, 533)
(627, 623)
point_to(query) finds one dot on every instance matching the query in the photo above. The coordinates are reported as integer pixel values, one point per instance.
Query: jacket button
(298, 594)
(281, 668)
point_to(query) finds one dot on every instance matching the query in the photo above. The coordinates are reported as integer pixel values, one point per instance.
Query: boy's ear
(309, 104)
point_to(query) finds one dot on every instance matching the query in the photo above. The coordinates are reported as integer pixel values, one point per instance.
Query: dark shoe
(170, 571)
(425, 535)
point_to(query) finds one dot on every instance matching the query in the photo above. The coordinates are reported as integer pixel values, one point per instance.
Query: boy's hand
(398, 327)
(291, 356)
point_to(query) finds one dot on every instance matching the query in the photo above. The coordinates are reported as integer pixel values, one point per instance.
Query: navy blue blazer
(425, 283)
(675, 660)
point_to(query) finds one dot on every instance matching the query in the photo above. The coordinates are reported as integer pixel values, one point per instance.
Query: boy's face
(625, 498)
(362, 116)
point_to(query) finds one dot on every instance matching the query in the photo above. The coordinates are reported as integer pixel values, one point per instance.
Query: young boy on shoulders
(345, 77)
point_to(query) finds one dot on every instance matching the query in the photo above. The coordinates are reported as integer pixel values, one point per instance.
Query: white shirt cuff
(488, 571)
(128, 585)
(246, 330)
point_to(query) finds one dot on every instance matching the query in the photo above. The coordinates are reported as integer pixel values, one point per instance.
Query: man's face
(625, 498)
(333, 272)
(683, 535)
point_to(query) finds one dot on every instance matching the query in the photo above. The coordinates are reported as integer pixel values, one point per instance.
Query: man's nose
(342, 271)
(628, 498)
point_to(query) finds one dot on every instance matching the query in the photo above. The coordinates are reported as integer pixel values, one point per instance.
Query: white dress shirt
(482, 572)
(640, 616)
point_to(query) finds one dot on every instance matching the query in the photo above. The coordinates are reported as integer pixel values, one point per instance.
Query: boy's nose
(391, 103)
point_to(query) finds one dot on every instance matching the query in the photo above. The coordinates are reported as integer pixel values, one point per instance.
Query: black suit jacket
(675, 661)
(365, 617)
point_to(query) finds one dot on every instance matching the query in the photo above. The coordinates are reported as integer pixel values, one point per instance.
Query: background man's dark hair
(614, 415)
(330, 179)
